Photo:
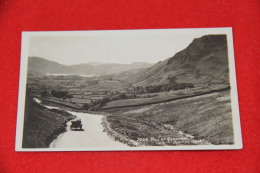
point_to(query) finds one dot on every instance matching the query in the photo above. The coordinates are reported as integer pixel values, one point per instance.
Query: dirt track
(92, 136)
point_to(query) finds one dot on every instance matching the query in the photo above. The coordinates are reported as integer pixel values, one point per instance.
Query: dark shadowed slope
(205, 60)
(42, 125)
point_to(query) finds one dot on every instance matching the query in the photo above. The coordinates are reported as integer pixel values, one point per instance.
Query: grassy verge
(115, 135)
(201, 118)
(61, 103)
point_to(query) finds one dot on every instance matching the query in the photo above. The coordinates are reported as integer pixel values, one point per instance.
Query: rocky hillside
(205, 60)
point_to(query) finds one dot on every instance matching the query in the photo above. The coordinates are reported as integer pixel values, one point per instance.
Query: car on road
(76, 125)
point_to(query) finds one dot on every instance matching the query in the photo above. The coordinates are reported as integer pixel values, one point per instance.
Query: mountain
(41, 65)
(205, 60)
(95, 63)
(114, 68)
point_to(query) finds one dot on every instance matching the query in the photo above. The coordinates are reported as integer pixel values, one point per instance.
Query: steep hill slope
(42, 125)
(41, 65)
(205, 60)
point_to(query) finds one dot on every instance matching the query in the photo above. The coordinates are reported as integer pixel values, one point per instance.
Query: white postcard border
(232, 72)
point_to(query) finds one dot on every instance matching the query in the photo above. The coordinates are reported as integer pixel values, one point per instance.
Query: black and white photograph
(110, 90)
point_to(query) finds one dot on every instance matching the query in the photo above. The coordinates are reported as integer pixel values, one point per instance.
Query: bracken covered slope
(205, 60)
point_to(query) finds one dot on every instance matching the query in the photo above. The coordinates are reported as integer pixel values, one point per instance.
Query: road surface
(92, 136)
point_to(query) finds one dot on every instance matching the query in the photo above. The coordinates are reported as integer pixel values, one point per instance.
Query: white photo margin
(232, 74)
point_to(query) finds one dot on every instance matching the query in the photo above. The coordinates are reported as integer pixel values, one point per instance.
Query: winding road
(92, 136)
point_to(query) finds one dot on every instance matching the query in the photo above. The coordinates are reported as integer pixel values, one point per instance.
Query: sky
(111, 46)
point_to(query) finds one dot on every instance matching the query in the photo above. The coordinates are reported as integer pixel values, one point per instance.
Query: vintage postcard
(157, 89)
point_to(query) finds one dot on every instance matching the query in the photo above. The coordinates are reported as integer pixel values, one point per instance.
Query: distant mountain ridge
(41, 65)
(205, 60)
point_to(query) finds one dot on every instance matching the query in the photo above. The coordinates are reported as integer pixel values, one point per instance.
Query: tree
(104, 101)
(122, 96)
(59, 94)
(85, 106)
(44, 93)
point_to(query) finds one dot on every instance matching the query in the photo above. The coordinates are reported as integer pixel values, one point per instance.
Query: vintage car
(76, 125)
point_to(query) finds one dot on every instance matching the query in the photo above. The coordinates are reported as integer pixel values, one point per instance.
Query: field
(165, 96)
(205, 119)
(82, 90)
